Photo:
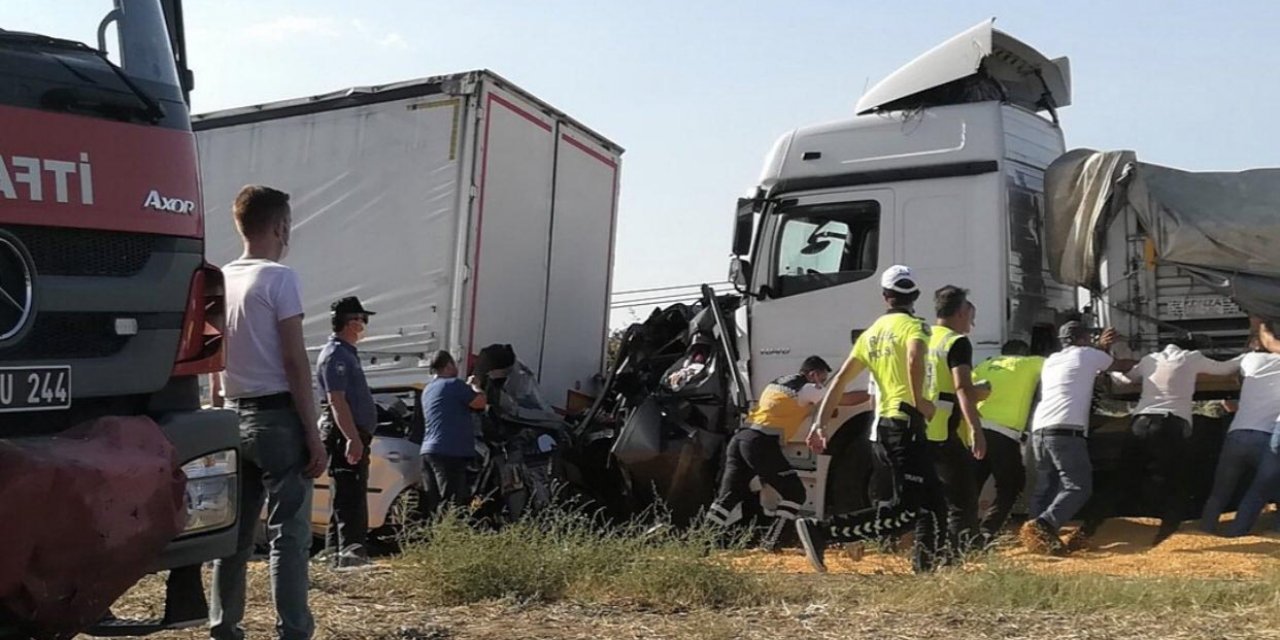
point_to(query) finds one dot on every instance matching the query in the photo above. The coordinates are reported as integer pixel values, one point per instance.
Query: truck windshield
(93, 57)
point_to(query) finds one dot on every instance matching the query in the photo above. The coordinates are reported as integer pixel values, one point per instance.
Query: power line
(670, 288)
(661, 300)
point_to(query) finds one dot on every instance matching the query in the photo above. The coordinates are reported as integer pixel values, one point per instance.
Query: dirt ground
(1121, 548)
(360, 605)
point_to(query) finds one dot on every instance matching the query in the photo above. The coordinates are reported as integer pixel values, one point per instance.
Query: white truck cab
(942, 169)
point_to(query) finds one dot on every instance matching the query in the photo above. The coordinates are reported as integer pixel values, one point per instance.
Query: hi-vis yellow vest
(941, 340)
(1013, 386)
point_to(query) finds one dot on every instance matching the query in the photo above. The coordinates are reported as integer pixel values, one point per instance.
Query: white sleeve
(1134, 375)
(288, 295)
(1212, 367)
(1101, 360)
(810, 394)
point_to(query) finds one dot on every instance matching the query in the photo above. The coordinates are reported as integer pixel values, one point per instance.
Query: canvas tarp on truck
(1221, 227)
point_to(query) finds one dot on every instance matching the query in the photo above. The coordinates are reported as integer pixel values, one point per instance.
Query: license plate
(35, 389)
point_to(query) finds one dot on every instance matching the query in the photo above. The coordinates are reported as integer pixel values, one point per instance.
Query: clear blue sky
(698, 91)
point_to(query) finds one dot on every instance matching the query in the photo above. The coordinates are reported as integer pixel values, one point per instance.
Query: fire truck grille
(64, 336)
(84, 252)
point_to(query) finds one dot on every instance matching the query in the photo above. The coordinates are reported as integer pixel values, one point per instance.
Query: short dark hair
(949, 300)
(258, 208)
(441, 360)
(1273, 326)
(901, 300)
(815, 363)
(1015, 347)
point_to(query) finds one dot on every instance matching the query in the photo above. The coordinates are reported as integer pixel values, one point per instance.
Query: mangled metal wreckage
(671, 400)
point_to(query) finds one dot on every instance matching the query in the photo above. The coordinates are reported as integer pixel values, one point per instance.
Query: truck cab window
(825, 245)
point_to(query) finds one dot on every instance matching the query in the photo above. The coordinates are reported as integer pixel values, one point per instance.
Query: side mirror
(740, 273)
(743, 225)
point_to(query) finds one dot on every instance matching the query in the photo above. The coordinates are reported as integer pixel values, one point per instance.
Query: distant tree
(612, 346)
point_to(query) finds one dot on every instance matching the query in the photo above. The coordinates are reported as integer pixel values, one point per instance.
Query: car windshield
(131, 33)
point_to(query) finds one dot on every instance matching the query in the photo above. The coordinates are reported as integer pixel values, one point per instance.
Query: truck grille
(64, 336)
(85, 252)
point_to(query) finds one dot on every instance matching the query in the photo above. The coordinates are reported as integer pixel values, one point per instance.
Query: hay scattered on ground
(1192, 586)
(1122, 548)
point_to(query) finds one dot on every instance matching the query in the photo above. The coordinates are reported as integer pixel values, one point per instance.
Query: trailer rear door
(580, 263)
(511, 227)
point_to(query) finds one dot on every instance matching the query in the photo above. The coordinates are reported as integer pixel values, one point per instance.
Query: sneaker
(1078, 540)
(353, 555)
(1039, 537)
(814, 540)
(350, 561)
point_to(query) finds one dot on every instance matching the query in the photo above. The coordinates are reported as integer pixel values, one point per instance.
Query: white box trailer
(462, 209)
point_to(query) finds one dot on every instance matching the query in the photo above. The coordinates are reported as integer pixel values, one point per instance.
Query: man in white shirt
(1248, 448)
(268, 383)
(1156, 445)
(1064, 473)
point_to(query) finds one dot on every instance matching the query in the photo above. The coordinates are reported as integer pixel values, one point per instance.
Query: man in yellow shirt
(755, 451)
(895, 350)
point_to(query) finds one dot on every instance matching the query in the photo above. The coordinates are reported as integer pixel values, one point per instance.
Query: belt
(1007, 432)
(1062, 431)
(273, 402)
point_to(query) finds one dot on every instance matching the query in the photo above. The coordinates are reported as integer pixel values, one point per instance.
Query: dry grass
(564, 580)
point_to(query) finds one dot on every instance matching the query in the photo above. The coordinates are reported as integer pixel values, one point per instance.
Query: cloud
(284, 28)
(394, 41)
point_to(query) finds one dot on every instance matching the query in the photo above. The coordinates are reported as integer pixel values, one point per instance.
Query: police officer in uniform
(895, 350)
(347, 430)
(955, 431)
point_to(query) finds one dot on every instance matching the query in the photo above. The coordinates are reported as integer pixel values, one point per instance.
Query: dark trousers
(348, 490)
(449, 473)
(954, 463)
(751, 454)
(1004, 462)
(1153, 457)
(918, 497)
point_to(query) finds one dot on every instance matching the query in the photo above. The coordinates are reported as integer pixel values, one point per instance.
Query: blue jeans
(273, 454)
(1064, 477)
(1244, 453)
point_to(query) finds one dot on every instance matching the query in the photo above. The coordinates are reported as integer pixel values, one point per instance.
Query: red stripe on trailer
(592, 152)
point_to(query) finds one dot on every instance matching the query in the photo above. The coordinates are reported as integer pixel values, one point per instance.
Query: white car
(395, 466)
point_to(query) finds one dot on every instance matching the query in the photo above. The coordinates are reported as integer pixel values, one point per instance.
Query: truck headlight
(211, 491)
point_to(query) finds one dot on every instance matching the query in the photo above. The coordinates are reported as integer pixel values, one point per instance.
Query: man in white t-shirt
(1064, 473)
(268, 383)
(1248, 449)
(1155, 448)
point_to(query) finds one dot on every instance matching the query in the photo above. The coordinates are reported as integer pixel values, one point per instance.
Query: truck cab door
(816, 279)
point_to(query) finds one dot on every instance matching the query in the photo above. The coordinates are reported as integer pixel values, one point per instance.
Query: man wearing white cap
(895, 350)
